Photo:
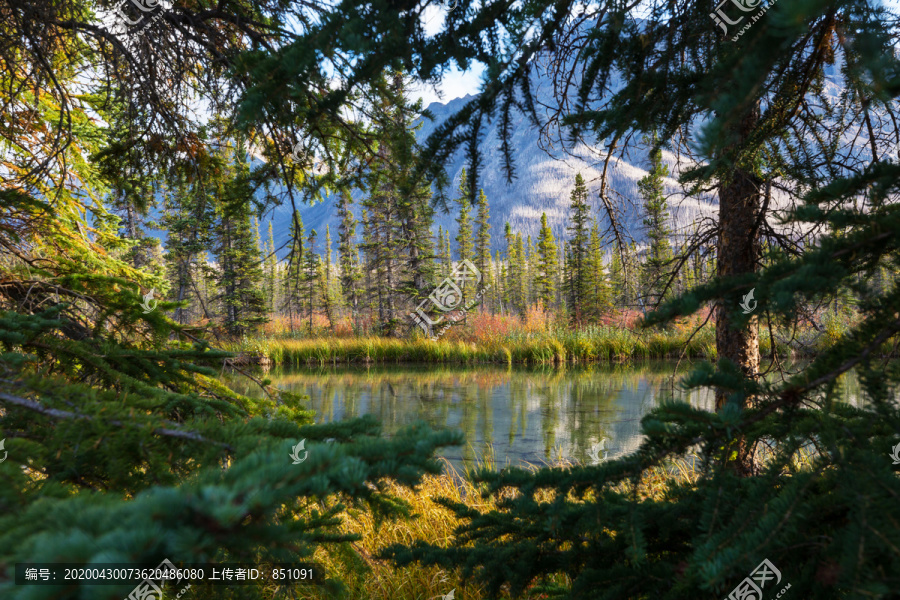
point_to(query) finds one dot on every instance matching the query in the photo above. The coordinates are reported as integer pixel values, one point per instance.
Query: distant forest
(222, 270)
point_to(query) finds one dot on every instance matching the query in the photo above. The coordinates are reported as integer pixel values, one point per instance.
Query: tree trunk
(740, 203)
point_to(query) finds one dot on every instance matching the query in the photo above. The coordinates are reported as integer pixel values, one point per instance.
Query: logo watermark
(139, 14)
(298, 154)
(3, 442)
(895, 455)
(304, 159)
(751, 588)
(148, 299)
(721, 19)
(447, 297)
(594, 454)
(745, 303)
(295, 454)
(151, 588)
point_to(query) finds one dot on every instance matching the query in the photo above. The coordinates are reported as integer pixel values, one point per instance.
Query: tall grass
(554, 347)
(536, 338)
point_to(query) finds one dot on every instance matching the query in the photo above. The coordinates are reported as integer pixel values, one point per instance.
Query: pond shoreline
(598, 345)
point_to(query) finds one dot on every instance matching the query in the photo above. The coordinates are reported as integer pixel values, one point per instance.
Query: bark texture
(740, 203)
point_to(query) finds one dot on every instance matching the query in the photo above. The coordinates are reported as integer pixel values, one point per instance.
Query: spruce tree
(188, 219)
(347, 256)
(447, 255)
(657, 264)
(464, 242)
(598, 292)
(310, 280)
(271, 271)
(521, 275)
(547, 264)
(483, 243)
(328, 298)
(579, 239)
(293, 279)
(237, 251)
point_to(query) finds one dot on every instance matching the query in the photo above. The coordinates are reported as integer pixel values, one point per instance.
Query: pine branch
(63, 414)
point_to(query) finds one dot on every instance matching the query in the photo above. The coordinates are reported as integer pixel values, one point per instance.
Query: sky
(456, 83)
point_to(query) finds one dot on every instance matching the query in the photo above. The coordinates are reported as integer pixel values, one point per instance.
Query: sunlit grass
(366, 577)
(536, 338)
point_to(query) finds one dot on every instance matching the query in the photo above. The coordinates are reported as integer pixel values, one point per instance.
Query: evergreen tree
(397, 244)
(464, 243)
(483, 243)
(447, 254)
(531, 272)
(237, 251)
(310, 279)
(656, 268)
(511, 286)
(579, 239)
(293, 279)
(347, 256)
(501, 297)
(598, 292)
(520, 275)
(271, 272)
(547, 264)
(328, 299)
(188, 217)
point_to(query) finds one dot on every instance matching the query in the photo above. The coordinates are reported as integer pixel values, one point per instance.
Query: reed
(536, 340)
(597, 344)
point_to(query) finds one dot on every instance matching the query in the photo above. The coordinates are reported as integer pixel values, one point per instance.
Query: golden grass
(374, 579)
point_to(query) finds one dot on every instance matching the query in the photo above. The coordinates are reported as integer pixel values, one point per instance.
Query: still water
(510, 415)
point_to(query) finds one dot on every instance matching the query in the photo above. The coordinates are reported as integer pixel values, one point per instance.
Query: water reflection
(514, 415)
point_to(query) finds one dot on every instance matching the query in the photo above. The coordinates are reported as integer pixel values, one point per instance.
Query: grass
(537, 338)
(594, 344)
(368, 578)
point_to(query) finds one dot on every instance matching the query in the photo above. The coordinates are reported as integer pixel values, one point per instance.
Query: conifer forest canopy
(120, 444)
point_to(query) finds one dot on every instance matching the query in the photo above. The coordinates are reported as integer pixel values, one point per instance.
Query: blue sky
(457, 84)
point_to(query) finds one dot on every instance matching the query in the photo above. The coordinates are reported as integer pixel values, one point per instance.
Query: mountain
(543, 184)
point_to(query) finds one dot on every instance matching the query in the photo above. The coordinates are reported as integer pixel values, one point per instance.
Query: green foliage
(547, 264)
(655, 272)
(583, 270)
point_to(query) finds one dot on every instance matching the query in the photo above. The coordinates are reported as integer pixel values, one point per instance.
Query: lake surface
(512, 415)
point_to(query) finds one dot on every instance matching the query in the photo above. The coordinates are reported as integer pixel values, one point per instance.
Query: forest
(264, 313)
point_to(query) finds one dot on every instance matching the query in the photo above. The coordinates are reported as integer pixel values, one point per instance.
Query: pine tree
(547, 264)
(447, 255)
(237, 250)
(511, 286)
(347, 256)
(188, 218)
(501, 298)
(328, 299)
(530, 256)
(598, 292)
(483, 243)
(579, 239)
(271, 272)
(310, 279)
(464, 243)
(293, 279)
(655, 272)
(520, 275)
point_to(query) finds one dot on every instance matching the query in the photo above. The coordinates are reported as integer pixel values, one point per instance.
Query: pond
(510, 416)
